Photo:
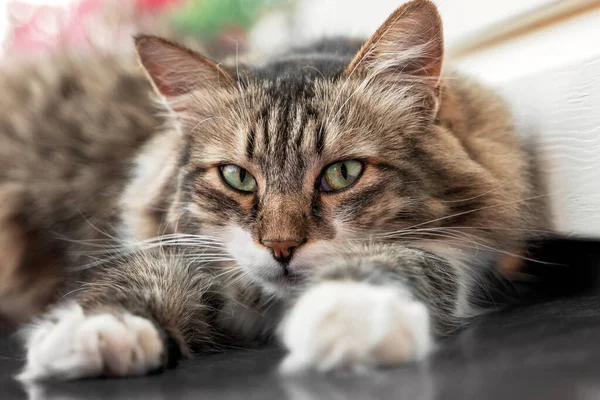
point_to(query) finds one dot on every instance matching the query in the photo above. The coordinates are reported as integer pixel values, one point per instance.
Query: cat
(343, 198)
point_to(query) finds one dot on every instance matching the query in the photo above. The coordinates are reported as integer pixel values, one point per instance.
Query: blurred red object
(154, 4)
(80, 23)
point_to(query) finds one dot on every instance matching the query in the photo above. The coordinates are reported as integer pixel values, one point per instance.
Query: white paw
(351, 325)
(70, 345)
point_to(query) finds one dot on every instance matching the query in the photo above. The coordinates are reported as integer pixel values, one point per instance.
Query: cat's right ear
(408, 46)
(176, 71)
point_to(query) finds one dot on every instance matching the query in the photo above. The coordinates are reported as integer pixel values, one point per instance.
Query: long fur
(126, 195)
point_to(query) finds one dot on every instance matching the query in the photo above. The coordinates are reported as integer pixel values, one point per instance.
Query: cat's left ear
(176, 71)
(408, 46)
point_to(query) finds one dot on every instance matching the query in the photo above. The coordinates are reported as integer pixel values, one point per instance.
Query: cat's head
(289, 162)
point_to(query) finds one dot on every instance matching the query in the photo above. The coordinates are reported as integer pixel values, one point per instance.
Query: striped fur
(446, 190)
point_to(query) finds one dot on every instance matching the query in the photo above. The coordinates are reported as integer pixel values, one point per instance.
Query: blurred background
(542, 55)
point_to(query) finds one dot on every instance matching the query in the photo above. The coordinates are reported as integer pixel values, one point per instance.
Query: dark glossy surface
(549, 350)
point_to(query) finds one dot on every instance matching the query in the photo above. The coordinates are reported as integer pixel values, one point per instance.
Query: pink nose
(282, 250)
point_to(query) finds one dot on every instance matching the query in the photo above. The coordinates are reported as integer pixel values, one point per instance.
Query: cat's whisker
(504, 184)
(392, 234)
(119, 255)
(402, 232)
(97, 229)
(505, 204)
(124, 250)
(216, 260)
(477, 244)
(242, 277)
(200, 123)
(235, 269)
(315, 69)
(167, 238)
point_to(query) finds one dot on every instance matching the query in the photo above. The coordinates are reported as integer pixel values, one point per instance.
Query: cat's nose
(282, 249)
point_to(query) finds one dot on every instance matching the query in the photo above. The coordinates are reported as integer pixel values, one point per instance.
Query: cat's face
(287, 178)
(289, 170)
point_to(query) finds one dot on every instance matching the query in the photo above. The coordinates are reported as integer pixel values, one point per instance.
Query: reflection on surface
(413, 383)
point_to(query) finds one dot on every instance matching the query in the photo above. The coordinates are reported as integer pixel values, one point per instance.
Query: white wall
(312, 19)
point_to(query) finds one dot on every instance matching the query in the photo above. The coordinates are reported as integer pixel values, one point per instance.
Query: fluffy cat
(344, 198)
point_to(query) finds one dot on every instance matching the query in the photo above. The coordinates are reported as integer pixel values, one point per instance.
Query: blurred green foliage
(206, 18)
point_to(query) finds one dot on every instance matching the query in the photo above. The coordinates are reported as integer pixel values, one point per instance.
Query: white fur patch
(355, 326)
(70, 345)
(257, 262)
(155, 165)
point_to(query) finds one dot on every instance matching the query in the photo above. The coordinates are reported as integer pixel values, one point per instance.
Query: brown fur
(68, 131)
(445, 191)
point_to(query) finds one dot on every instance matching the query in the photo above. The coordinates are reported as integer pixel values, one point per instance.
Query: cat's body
(71, 127)
(366, 274)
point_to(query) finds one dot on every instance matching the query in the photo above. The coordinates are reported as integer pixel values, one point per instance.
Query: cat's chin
(289, 281)
(283, 285)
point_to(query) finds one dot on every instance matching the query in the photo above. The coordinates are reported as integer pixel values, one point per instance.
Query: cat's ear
(408, 45)
(175, 70)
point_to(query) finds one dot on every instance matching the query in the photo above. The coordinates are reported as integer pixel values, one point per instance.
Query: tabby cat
(342, 198)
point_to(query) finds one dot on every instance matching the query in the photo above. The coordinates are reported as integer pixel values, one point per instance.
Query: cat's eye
(238, 178)
(340, 175)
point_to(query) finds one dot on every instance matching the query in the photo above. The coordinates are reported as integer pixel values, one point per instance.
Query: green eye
(238, 178)
(340, 175)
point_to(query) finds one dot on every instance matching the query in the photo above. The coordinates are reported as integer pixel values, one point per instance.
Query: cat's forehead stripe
(250, 143)
(283, 125)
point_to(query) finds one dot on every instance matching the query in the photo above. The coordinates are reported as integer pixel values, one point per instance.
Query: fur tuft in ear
(175, 70)
(409, 44)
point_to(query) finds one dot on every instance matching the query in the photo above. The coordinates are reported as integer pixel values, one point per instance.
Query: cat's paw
(351, 325)
(72, 344)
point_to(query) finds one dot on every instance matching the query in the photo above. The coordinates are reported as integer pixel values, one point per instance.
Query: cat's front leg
(70, 343)
(379, 306)
(355, 325)
(130, 318)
